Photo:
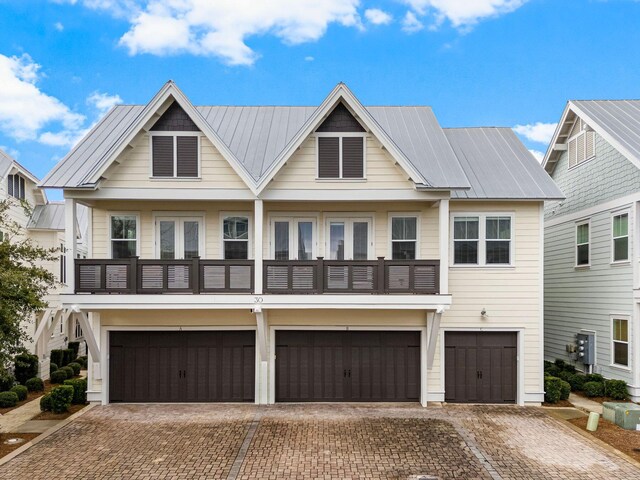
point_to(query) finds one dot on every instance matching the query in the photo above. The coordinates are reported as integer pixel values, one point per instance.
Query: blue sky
(63, 63)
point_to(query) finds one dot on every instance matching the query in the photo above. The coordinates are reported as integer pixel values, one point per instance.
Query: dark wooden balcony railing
(359, 276)
(135, 276)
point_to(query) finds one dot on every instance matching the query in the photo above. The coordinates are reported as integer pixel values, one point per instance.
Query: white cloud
(58, 26)
(411, 24)
(464, 13)
(309, 58)
(377, 16)
(103, 102)
(539, 156)
(537, 132)
(12, 152)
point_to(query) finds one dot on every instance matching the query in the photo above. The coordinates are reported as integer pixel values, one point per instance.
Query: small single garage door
(481, 367)
(347, 366)
(203, 366)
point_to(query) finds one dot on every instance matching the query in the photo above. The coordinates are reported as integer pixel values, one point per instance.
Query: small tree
(23, 283)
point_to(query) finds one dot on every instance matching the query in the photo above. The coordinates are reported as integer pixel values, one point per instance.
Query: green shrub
(45, 403)
(75, 346)
(547, 365)
(593, 389)
(8, 399)
(34, 384)
(61, 398)
(594, 377)
(68, 356)
(76, 367)
(57, 357)
(576, 381)
(559, 363)
(555, 389)
(53, 367)
(59, 376)
(565, 390)
(552, 371)
(569, 368)
(564, 375)
(26, 367)
(82, 361)
(21, 391)
(69, 370)
(616, 389)
(79, 390)
(6, 381)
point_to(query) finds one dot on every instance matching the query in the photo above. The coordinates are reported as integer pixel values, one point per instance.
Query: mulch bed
(6, 449)
(30, 396)
(627, 441)
(560, 403)
(59, 416)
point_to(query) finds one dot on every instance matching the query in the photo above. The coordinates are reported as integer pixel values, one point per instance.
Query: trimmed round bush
(61, 398)
(21, 391)
(59, 376)
(569, 368)
(565, 389)
(616, 389)
(593, 389)
(79, 390)
(577, 382)
(6, 381)
(594, 377)
(547, 364)
(34, 384)
(69, 370)
(68, 356)
(8, 399)
(553, 371)
(57, 357)
(45, 403)
(52, 367)
(565, 375)
(76, 367)
(559, 363)
(552, 389)
(75, 346)
(26, 367)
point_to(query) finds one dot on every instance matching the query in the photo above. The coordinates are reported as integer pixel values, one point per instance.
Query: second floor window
(466, 235)
(340, 157)
(16, 186)
(178, 237)
(404, 238)
(175, 156)
(124, 236)
(484, 240)
(582, 244)
(620, 237)
(292, 238)
(236, 237)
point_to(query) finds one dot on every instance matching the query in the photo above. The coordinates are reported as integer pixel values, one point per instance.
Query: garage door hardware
(479, 374)
(182, 373)
(347, 373)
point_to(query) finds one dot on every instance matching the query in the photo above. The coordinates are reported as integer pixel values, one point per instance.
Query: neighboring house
(43, 222)
(592, 275)
(326, 253)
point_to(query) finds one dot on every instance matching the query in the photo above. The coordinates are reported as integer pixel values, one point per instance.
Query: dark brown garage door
(480, 367)
(331, 366)
(202, 366)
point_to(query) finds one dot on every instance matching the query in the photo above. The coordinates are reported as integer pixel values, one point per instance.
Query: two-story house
(285, 254)
(592, 274)
(43, 222)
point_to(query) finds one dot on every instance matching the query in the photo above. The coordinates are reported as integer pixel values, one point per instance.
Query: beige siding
(184, 318)
(135, 169)
(511, 295)
(300, 172)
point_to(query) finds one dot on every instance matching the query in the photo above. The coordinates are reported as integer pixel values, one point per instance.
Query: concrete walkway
(10, 421)
(585, 404)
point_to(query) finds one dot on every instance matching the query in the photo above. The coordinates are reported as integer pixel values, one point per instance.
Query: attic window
(581, 143)
(175, 156)
(16, 186)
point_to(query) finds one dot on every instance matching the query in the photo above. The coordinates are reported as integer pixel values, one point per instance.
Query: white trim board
(610, 206)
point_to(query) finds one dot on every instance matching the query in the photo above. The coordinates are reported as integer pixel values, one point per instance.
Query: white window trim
(583, 131)
(482, 240)
(348, 220)
(575, 243)
(293, 219)
(391, 216)
(628, 236)
(249, 216)
(179, 216)
(341, 135)
(612, 363)
(138, 232)
(175, 135)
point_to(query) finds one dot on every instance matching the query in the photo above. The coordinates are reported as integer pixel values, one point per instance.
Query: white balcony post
(257, 245)
(70, 242)
(444, 246)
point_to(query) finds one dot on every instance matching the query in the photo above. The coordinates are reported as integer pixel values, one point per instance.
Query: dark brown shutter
(162, 156)
(328, 157)
(187, 156)
(352, 157)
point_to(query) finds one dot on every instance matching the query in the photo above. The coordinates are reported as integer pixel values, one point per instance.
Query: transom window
(482, 239)
(178, 237)
(404, 237)
(235, 237)
(582, 244)
(620, 237)
(124, 236)
(582, 144)
(293, 238)
(348, 239)
(175, 155)
(16, 186)
(620, 338)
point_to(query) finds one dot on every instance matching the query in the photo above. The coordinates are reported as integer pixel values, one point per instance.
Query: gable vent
(175, 119)
(340, 120)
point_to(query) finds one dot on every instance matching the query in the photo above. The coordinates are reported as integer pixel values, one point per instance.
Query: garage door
(190, 366)
(480, 367)
(331, 366)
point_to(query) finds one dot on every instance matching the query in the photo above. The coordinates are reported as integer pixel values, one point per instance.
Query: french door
(179, 237)
(349, 239)
(293, 238)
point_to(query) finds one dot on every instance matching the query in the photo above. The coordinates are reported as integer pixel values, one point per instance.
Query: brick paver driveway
(316, 441)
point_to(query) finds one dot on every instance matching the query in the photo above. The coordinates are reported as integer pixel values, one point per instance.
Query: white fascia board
(370, 302)
(554, 139)
(171, 89)
(161, 194)
(340, 92)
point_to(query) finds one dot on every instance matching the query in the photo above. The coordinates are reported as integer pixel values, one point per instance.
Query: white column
(257, 245)
(70, 241)
(444, 246)
(262, 339)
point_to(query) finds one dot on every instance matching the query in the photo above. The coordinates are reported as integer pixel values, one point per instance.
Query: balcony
(197, 276)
